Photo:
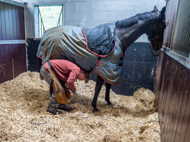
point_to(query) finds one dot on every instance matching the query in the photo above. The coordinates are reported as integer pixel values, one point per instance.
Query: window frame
(36, 16)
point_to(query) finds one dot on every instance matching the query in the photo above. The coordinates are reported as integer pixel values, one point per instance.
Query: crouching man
(67, 73)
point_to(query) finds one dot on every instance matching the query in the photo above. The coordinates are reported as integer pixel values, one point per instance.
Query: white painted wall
(90, 13)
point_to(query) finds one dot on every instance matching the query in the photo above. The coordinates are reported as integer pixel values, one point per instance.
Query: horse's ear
(155, 8)
(163, 13)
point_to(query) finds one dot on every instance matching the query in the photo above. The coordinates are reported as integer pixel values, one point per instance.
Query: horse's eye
(154, 27)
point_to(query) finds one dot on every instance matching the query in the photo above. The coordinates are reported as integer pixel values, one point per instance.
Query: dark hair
(87, 75)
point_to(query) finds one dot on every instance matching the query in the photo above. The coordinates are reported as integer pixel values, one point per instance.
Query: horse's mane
(133, 20)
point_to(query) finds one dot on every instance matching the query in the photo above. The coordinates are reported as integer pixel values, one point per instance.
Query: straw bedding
(23, 115)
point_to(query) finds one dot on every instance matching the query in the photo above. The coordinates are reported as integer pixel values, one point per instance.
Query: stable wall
(172, 81)
(12, 45)
(172, 90)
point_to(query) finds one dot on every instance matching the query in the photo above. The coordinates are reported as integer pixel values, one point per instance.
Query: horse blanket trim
(92, 51)
(39, 57)
(98, 65)
(110, 68)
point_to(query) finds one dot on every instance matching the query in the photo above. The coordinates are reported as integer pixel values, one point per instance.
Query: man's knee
(45, 75)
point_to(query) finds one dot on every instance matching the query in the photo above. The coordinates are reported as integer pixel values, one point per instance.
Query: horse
(103, 46)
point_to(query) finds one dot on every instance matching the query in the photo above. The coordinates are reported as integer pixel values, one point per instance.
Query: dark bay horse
(71, 43)
(127, 31)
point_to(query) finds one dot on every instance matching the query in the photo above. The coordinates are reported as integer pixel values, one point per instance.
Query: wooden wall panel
(12, 61)
(2, 21)
(12, 56)
(12, 22)
(172, 90)
(186, 125)
(181, 132)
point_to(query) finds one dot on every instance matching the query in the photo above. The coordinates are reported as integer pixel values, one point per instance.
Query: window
(46, 17)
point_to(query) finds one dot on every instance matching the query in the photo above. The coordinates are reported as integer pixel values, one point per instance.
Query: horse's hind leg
(107, 97)
(99, 82)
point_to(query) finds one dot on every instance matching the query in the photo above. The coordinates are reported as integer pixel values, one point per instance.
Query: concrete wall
(90, 13)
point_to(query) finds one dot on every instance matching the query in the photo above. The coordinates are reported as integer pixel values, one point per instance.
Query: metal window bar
(181, 37)
(41, 24)
(60, 17)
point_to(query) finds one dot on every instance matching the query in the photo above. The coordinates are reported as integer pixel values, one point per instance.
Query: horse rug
(94, 50)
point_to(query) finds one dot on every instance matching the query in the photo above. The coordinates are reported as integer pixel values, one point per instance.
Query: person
(67, 72)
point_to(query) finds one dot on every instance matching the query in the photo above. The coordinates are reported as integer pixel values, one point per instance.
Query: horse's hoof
(95, 110)
(110, 104)
(108, 101)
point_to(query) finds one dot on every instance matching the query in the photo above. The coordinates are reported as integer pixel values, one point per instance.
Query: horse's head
(155, 36)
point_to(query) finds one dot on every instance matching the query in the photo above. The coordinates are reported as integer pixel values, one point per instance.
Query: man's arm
(72, 78)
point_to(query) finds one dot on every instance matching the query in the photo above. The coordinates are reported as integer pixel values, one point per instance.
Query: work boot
(64, 107)
(53, 105)
(53, 110)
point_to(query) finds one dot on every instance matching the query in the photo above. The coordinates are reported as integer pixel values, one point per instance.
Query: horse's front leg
(107, 96)
(99, 82)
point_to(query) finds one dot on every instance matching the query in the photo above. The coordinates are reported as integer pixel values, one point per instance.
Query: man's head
(84, 76)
